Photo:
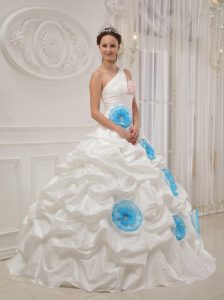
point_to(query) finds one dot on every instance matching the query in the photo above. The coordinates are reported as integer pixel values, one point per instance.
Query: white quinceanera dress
(113, 217)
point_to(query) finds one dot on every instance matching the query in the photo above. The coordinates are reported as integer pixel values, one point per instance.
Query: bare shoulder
(96, 78)
(128, 74)
(96, 75)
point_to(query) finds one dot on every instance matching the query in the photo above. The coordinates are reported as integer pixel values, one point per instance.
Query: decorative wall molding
(7, 237)
(35, 161)
(43, 135)
(7, 252)
(9, 160)
(12, 165)
(8, 233)
(117, 7)
(45, 43)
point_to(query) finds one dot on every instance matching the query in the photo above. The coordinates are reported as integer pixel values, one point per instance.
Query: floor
(212, 232)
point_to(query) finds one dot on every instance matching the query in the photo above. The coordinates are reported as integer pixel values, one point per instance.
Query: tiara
(109, 29)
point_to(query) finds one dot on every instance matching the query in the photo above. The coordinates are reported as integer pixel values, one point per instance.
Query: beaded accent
(170, 181)
(131, 86)
(126, 215)
(179, 229)
(148, 148)
(121, 116)
(109, 29)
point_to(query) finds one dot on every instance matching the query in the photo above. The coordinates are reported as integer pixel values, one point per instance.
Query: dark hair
(109, 31)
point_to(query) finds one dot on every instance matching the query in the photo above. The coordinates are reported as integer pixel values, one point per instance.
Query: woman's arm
(135, 112)
(95, 88)
(134, 130)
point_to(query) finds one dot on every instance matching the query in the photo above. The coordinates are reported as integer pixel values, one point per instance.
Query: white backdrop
(40, 119)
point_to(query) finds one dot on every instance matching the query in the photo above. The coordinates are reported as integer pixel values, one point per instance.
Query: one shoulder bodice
(118, 91)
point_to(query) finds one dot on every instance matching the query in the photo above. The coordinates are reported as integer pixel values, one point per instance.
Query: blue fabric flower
(179, 229)
(148, 148)
(126, 215)
(170, 181)
(195, 220)
(121, 116)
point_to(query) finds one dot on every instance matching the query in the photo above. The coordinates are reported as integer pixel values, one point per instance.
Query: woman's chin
(110, 59)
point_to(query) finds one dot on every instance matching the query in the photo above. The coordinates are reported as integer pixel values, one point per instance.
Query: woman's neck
(109, 65)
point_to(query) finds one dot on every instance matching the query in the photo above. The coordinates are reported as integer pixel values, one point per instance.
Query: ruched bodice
(116, 93)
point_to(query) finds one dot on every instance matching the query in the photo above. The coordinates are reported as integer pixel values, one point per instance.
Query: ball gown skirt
(113, 217)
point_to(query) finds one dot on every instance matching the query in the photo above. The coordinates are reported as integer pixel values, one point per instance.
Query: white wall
(40, 120)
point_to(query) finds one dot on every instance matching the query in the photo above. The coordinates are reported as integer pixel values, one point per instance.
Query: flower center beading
(126, 215)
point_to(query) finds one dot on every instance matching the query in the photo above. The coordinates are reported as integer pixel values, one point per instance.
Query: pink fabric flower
(131, 87)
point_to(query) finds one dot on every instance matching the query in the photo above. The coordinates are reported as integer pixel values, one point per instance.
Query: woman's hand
(123, 133)
(134, 133)
(130, 135)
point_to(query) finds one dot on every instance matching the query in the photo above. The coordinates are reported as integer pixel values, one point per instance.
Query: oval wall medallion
(45, 43)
